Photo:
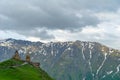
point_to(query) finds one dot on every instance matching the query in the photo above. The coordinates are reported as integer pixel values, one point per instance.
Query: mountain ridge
(69, 60)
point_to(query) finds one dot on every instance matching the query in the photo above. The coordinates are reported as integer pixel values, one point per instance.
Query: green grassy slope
(18, 70)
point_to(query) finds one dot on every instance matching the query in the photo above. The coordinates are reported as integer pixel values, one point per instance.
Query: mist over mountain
(79, 60)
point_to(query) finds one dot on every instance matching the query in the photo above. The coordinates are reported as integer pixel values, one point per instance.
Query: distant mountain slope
(18, 70)
(77, 60)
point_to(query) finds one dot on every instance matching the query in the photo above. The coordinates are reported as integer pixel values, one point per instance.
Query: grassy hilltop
(18, 70)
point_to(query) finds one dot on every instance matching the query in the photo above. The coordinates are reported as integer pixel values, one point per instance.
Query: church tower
(16, 56)
(27, 57)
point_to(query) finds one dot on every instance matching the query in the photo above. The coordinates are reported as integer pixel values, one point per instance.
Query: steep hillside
(77, 60)
(18, 70)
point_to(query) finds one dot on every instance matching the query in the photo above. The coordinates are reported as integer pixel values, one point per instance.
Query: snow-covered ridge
(89, 56)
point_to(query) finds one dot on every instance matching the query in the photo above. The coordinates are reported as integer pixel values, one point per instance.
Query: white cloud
(33, 39)
(10, 34)
(106, 32)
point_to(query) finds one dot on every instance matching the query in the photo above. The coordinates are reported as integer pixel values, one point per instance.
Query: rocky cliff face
(77, 60)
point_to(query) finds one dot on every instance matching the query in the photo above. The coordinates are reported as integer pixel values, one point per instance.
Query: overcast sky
(61, 20)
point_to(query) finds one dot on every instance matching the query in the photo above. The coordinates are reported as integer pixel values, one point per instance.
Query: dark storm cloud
(27, 15)
(39, 13)
(97, 5)
(42, 34)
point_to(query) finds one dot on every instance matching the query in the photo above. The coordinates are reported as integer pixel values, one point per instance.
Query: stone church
(28, 59)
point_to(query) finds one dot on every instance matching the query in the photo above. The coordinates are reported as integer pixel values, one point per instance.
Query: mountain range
(73, 60)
